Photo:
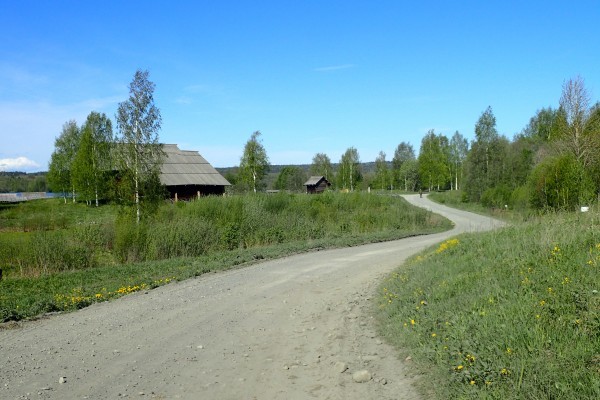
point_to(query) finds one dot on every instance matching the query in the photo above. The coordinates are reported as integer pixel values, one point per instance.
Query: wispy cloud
(334, 68)
(183, 100)
(17, 164)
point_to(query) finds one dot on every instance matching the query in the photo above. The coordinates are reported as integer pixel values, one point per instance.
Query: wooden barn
(316, 184)
(187, 175)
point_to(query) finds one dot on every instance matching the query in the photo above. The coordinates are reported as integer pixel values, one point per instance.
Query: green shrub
(181, 237)
(560, 183)
(130, 240)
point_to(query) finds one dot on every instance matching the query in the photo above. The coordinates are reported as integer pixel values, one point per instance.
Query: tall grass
(216, 223)
(105, 254)
(512, 314)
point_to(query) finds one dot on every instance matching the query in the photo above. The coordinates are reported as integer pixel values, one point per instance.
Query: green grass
(101, 253)
(510, 314)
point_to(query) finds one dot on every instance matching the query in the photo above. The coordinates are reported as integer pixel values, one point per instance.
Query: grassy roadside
(265, 228)
(509, 314)
(454, 199)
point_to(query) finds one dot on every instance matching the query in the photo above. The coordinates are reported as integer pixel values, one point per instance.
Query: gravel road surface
(294, 328)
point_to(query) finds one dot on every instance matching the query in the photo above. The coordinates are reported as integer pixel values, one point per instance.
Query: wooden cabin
(187, 175)
(316, 184)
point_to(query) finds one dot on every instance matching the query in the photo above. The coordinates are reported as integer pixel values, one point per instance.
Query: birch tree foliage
(349, 173)
(93, 160)
(579, 135)
(381, 172)
(404, 152)
(433, 163)
(139, 152)
(254, 163)
(321, 166)
(459, 148)
(485, 158)
(61, 161)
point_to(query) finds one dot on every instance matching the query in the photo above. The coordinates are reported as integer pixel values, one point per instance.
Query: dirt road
(294, 328)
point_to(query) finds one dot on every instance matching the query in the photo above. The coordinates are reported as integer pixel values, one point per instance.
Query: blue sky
(312, 76)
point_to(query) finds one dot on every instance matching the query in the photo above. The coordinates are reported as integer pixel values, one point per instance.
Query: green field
(509, 314)
(59, 256)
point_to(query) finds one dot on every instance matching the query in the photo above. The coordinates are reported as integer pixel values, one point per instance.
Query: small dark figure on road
(420, 192)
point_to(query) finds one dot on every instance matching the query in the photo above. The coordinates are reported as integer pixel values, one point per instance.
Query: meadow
(58, 257)
(509, 314)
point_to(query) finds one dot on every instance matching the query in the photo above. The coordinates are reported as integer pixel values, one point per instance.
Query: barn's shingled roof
(187, 167)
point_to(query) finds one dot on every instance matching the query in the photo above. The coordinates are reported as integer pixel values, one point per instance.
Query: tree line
(554, 162)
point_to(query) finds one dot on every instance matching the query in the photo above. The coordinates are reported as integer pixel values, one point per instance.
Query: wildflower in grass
(433, 334)
(446, 245)
(472, 382)
(538, 316)
(412, 322)
(459, 368)
(470, 358)
(555, 253)
(550, 290)
(566, 280)
(509, 350)
(542, 303)
(504, 372)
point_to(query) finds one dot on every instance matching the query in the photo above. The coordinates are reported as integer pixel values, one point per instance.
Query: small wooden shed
(316, 184)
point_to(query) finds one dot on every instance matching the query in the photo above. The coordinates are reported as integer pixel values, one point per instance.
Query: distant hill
(367, 168)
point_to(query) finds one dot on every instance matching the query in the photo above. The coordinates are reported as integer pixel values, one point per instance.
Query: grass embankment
(509, 314)
(62, 256)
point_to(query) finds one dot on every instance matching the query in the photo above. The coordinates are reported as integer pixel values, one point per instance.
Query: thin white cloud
(334, 68)
(17, 164)
(101, 103)
(183, 100)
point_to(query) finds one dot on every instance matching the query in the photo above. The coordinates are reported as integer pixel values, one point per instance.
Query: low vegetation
(509, 314)
(57, 256)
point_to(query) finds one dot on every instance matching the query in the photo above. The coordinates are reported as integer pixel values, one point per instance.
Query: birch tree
(93, 160)
(321, 166)
(139, 152)
(254, 163)
(349, 173)
(61, 161)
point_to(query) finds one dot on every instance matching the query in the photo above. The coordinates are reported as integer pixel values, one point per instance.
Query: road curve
(293, 328)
